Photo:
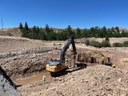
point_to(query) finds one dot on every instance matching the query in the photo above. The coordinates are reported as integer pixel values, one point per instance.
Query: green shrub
(87, 42)
(95, 44)
(98, 44)
(125, 43)
(118, 44)
(105, 44)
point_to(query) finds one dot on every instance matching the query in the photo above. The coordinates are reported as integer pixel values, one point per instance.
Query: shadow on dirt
(18, 86)
(78, 66)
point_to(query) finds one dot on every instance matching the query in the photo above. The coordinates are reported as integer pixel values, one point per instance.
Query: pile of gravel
(96, 80)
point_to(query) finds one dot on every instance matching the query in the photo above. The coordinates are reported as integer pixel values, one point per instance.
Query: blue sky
(61, 13)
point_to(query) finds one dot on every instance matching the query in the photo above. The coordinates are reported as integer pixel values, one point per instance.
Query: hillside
(10, 32)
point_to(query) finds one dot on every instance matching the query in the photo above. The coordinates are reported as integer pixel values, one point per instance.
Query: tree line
(49, 33)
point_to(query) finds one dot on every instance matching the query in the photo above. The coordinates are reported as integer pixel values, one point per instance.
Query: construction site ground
(24, 61)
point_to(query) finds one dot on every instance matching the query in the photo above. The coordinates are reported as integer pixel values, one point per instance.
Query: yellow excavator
(55, 66)
(104, 60)
(94, 56)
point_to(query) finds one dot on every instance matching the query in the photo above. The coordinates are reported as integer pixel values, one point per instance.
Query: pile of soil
(96, 80)
(10, 32)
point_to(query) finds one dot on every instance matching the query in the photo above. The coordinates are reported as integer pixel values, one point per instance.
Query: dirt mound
(10, 32)
(112, 40)
(96, 80)
(12, 44)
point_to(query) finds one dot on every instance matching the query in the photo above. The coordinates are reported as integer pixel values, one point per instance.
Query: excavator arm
(63, 51)
(105, 60)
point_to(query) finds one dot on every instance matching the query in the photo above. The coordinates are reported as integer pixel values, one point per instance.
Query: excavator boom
(63, 51)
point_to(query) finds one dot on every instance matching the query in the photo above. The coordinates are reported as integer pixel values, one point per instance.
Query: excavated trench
(29, 68)
(37, 76)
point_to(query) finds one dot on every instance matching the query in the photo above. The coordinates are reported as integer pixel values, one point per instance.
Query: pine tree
(78, 33)
(107, 39)
(117, 29)
(104, 32)
(26, 26)
(42, 35)
(25, 31)
(47, 29)
(69, 30)
(21, 26)
(51, 29)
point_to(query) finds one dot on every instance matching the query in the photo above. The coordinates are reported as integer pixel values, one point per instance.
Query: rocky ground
(20, 56)
(96, 80)
(24, 61)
